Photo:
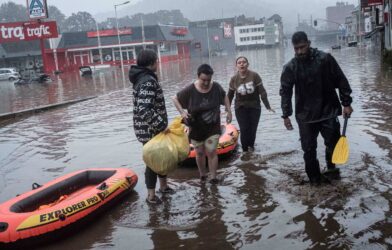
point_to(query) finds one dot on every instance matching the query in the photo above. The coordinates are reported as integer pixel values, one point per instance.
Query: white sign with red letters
(25, 31)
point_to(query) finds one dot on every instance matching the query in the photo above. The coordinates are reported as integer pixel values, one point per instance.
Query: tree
(81, 21)
(58, 16)
(11, 12)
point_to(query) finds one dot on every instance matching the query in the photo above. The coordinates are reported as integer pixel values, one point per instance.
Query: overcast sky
(72, 6)
(98, 6)
(288, 9)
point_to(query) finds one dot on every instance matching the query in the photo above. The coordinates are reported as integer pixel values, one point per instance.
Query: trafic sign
(26, 31)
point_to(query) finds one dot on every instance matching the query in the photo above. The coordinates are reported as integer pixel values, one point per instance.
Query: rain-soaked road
(258, 204)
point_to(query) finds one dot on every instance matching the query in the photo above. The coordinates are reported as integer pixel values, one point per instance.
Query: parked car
(10, 74)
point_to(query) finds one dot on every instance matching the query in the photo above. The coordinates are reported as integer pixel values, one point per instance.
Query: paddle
(342, 150)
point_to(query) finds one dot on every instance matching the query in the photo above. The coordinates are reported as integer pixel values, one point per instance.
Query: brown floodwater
(258, 204)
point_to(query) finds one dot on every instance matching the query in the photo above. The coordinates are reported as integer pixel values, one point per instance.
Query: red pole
(42, 44)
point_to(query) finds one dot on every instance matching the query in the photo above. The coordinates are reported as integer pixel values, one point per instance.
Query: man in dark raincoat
(316, 76)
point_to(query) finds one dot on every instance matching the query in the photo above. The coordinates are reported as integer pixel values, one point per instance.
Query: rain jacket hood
(315, 81)
(136, 73)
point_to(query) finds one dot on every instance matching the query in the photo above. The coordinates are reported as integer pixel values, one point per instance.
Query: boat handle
(35, 185)
(3, 226)
(103, 186)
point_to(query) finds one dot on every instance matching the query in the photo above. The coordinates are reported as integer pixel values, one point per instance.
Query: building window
(107, 55)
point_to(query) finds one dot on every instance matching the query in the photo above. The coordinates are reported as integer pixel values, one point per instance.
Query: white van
(10, 74)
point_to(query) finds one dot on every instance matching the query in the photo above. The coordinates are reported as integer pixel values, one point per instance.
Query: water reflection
(259, 203)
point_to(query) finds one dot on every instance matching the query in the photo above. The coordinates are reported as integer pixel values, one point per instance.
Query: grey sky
(98, 6)
(72, 6)
(288, 9)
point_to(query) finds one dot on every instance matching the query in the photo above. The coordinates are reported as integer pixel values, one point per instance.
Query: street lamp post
(119, 41)
(208, 44)
(99, 42)
(143, 37)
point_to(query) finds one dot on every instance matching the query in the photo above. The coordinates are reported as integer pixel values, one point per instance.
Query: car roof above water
(12, 69)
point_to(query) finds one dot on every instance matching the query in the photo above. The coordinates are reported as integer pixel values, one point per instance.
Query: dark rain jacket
(149, 110)
(316, 80)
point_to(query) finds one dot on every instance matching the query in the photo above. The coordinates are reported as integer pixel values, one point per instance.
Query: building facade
(264, 33)
(24, 55)
(336, 15)
(387, 24)
(212, 37)
(72, 50)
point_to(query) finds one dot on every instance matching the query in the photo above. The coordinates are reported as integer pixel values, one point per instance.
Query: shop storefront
(102, 48)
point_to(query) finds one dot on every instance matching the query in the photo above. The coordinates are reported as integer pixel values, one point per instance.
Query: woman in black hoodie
(149, 113)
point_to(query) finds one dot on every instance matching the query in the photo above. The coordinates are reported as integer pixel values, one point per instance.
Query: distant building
(23, 55)
(336, 14)
(351, 27)
(76, 49)
(388, 28)
(262, 33)
(214, 37)
(307, 28)
(355, 25)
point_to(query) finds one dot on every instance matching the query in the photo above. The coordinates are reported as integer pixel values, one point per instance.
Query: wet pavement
(258, 204)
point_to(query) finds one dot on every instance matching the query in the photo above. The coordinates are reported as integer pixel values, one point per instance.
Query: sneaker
(317, 181)
(154, 201)
(333, 174)
(245, 156)
(167, 190)
(214, 181)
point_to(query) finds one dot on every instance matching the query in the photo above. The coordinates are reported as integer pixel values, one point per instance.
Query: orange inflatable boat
(55, 206)
(227, 141)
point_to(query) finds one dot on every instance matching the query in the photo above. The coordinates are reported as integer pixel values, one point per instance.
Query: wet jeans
(248, 119)
(151, 178)
(330, 131)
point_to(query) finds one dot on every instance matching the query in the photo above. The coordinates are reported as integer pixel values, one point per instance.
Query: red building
(72, 50)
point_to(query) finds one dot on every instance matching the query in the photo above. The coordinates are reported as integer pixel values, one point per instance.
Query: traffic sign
(37, 9)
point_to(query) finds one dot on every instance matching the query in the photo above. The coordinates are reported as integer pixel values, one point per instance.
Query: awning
(110, 46)
(374, 31)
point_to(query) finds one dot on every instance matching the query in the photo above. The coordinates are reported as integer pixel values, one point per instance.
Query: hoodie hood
(137, 72)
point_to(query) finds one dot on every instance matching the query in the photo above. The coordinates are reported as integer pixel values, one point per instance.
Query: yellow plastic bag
(163, 152)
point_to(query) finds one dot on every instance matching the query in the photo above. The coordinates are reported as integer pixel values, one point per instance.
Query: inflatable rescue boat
(58, 204)
(227, 141)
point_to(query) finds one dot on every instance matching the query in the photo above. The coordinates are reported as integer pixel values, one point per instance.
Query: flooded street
(259, 203)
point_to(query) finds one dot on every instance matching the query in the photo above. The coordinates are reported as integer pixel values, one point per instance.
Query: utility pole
(99, 42)
(359, 21)
(143, 37)
(119, 41)
(208, 44)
